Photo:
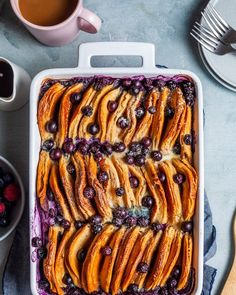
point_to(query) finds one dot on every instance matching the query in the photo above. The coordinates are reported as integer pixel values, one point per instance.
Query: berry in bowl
(12, 198)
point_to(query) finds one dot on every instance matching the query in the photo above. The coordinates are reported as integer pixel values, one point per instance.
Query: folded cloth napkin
(17, 272)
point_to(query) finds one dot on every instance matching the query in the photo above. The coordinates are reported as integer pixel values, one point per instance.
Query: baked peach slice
(77, 113)
(159, 208)
(67, 181)
(123, 256)
(64, 112)
(95, 102)
(190, 187)
(173, 257)
(186, 149)
(187, 253)
(135, 259)
(107, 267)
(47, 107)
(174, 125)
(91, 265)
(139, 278)
(144, 127)
(59, 196)
(174, 204)
(78, 242)
(43, 171)
(159, 118)
(83, 204)
(60, 267)
(49, 261)
(163, 252)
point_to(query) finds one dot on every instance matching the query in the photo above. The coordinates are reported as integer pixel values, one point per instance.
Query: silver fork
(219, 27)
(209, 41)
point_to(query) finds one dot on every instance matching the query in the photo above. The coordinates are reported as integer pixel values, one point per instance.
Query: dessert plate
(222, 67)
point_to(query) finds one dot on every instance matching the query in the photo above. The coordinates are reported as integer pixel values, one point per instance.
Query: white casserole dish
(148, 69)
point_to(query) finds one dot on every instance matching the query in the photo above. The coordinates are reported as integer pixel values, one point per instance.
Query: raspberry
(11, 192)
(2, 208)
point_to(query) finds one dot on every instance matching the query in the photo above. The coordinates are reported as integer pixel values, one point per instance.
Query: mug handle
(88, 21)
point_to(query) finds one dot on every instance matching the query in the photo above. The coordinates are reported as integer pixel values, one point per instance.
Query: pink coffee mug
(65, 32)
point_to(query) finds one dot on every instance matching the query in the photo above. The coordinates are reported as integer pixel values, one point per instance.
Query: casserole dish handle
(145, 50)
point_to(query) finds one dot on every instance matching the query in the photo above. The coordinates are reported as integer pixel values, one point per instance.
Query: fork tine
(206, 39)
(213, 22)
(206, 34)
(219, 17)
(204, 29)
(210, 11)
(203, 43)
(210, 25)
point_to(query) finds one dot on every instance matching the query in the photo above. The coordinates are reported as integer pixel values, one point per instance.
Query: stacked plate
(222, 68)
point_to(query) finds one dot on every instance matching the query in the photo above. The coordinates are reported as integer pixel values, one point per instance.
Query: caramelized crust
(187, 254)
(190, 185)
(175, 124)
(91, 266)
(172, 193)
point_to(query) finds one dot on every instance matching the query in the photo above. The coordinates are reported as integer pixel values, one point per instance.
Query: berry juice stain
(6, 80)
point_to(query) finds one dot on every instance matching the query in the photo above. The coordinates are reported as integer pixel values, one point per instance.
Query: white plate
(222, 67)
(148, 69)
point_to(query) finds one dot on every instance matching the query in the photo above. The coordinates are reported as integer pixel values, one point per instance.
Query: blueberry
(70, 168)
(50, 195)
(127, 83)
(120, 191)
(172, 283)
(156, 155)
(102, 176)
(65, 224)
(55, 154)
(177, 148)
(169, 112)
(96, 219)
(93, 128)
(176, 272)
(119, 147)
(134, 182)
(48, 145)
(159, 83)
(95, 147)
(139, 112)
(4, 221)
(120, 212)
(171, 84)
(89, 192)
(67, 280)
(143, 221)
(188, 139)
(98, 157)
(43, 284)
(36, 242)
(42, 253)
(81, 255)
(147, 201)
(161, 176)
(112, 106)
(146, 141)
(83, 148)
(78, 224)
(51, 126)
(179, 178)
(97, 228)
(139, 160)
(117, 221)
(143, 267)
(133, 288)
(190, 99)
(131, 221)
(164, 291)
(152, 110)
(156, 226)
(129, 160)
(68, 147)
(136, 148)
(135, 90)
(106, 251)
(123, 122)
(75, 97)
(107, 148)
(187, 226)
(145, 151)
(87, 111)
(137, 83)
